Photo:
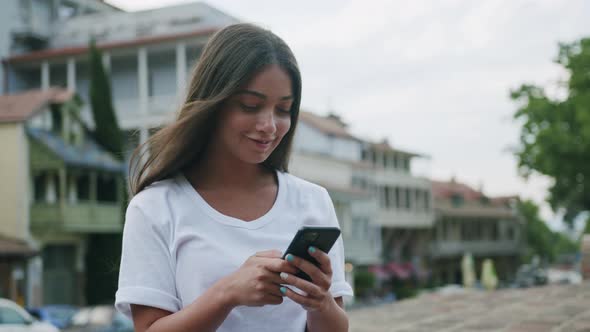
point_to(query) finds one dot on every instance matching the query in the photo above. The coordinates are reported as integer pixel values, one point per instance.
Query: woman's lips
(261, 144)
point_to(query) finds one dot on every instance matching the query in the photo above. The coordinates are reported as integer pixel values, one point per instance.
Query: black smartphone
(323, 238)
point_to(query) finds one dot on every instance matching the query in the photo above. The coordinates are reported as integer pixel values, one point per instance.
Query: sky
(431, 77)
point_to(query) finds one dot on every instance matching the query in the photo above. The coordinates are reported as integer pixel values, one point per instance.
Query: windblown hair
(230, 59)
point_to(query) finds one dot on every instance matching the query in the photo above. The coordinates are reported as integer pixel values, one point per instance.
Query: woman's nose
(266, 122)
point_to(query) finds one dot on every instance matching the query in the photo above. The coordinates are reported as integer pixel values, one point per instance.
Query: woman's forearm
(205, 314)
(332, 319)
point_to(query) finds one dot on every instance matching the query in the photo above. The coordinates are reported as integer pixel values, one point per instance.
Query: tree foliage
(555, 134)
(104, 250)
(106, 130)
(541, 240)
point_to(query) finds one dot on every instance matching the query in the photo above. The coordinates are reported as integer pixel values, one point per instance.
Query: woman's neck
(216, 170)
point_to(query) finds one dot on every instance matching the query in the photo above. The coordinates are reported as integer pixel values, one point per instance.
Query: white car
(13, 318)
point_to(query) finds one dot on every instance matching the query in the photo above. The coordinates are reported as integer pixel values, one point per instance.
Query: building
(149, 54)
(26, 25)
(468, 221)
(59, 188)
(324, 152)
(405, 214)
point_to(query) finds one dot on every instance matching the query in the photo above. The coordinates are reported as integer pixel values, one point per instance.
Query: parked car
(530, 275)
(57, 315)
(13, 318)
(104, 318)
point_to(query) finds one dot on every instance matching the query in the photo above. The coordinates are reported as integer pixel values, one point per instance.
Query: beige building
(59, 188)
(468, 221)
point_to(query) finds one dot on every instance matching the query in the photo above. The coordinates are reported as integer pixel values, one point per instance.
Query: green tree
(104, 250)
(541, 240)
(106, 127)
(555, 134)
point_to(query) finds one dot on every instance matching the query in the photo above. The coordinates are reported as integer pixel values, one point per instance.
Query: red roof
(445, 190)
(22, 106)
(441, 189)
(327, 125)
(69, 51)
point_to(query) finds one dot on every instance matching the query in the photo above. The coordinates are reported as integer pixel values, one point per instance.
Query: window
(11, 316)
(39, 183)
(83, 187)
(456, 199)
(106, 188)
(510, 233)
(65, 11)
(397, 197)
(387, 198)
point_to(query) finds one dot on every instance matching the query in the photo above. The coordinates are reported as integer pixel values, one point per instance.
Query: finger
(278, 265)
(305, 301)
(309, 288)
(269, 254)
(323, 259)
(273, 299)
(317, 276)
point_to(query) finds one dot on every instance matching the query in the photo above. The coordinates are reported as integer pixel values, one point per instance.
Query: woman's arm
(324, 313)
(255, 283)
(333, 319)
(205, 314)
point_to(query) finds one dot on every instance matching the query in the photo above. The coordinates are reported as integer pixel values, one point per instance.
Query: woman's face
(255, 120)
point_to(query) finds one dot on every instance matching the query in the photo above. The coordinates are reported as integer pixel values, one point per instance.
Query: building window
(39, 187)
(66, 10)
(106, 188)
(456, 199)
(510, 233)
(83, 187)
(397, 197)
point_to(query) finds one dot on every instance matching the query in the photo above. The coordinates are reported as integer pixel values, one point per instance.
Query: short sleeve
(340, 287)
(146, 273)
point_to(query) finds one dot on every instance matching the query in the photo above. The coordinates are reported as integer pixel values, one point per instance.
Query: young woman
(214, 206)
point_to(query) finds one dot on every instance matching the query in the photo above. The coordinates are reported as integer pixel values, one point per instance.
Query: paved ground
(550, 308)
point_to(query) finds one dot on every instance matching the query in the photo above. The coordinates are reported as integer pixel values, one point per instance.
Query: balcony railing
(478, 248)
(81, 217)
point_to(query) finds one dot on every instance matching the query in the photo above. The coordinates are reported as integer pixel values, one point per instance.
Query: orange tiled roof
(22, 106)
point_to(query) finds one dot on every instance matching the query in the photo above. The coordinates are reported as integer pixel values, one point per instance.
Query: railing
(85, 217)
(482, 247)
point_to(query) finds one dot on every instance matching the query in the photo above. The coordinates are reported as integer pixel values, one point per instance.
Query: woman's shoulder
(304, 187)
(157, 193)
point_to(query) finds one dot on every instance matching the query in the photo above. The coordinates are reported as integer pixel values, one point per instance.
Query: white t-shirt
(176, 246)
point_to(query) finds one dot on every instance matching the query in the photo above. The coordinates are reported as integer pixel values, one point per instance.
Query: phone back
(322, 238)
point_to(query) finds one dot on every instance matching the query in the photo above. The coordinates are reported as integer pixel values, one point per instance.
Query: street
(561, 308)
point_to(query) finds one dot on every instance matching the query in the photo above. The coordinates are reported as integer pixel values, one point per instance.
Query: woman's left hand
(318, 295)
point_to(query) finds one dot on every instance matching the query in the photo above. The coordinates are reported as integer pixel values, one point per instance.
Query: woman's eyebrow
(260, 95)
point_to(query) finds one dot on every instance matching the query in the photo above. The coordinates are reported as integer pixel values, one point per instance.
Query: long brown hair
(230, 59)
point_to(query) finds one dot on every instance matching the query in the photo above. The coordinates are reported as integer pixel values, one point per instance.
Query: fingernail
(283, 290)
(290, 258)
(311, 250)
(284, 275)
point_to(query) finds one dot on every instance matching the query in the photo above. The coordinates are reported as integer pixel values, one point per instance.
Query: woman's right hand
(257, 281)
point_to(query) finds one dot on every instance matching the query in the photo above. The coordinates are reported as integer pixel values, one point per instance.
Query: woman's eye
(284, 110)
(249, 107)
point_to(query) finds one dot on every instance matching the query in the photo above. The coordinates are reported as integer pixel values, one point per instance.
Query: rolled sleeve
(146, 274)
